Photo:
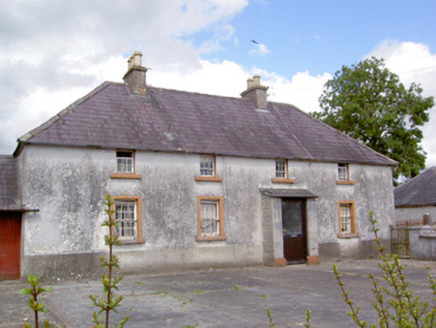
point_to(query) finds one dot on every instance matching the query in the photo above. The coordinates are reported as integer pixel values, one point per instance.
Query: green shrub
(395, 303)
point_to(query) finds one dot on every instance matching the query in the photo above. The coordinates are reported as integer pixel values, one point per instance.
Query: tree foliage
(369, 103)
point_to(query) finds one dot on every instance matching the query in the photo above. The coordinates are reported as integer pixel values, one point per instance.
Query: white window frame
(347, 219)
(125, 164)
(343, 172)
(207, 165)
(281, 168)
(210, 221)
(210, 214)
(129, 220)
(126, 218)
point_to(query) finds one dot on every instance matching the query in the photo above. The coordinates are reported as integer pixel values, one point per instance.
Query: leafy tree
(367, 102)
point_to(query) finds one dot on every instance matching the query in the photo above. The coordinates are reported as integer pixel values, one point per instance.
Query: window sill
(126, 176)
(210, 239)
(348, 236)
(345, 182)
(209, 179)
(132, 242)
(282, 180)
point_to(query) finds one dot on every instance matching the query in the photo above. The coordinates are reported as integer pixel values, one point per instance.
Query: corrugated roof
(169, 120)
(419, 191)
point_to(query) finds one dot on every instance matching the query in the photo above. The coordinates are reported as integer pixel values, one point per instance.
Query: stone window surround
(353, 223)
(284, 179)
(347, 180)
(220, 210)
(209, 178)
(138, 207)
(126, 175)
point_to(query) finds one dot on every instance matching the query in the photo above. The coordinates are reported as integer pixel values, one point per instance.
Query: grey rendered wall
(68, 184)
(415, 214)
(422, 243)
(372, 190)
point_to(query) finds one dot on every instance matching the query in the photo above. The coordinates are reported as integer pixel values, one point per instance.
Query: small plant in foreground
(270, 318)
(36, 306)
(396, 304)
(109, 282)
(307, 317)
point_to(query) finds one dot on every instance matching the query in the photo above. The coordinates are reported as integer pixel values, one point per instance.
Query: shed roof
(419, 191)
(177, 121)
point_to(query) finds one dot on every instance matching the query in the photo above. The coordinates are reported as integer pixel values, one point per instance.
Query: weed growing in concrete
(307, 318)
(111, 301)
(270, 318)
(396, 304)
(34, 304)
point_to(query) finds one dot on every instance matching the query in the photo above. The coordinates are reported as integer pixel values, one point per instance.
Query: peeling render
(67, 185)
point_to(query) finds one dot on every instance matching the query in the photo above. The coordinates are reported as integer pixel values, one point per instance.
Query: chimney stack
(256, 92)
(135, 76)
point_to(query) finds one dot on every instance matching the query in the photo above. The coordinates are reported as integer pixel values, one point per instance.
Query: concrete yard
(235, 297)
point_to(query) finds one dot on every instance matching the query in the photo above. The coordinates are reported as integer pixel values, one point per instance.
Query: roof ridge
(418, 177)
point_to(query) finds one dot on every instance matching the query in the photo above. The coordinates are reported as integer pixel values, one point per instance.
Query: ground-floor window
(128, 211)
(210, 218)
(347, 219)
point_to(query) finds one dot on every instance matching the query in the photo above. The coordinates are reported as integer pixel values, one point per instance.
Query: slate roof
(178, 121)
(419, 191)
(8, 184)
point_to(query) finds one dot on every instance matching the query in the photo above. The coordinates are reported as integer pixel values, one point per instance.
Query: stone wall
(422, 243)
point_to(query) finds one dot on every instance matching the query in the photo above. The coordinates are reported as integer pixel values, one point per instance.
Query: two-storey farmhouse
(198, 181)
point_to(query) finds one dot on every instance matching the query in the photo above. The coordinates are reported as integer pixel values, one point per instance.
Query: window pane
(209, 219)
(125, 216)
(345, 218)
(124, 162)
(207, 165)
(342, 172)
(280, 168)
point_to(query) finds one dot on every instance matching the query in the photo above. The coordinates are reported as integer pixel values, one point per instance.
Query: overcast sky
(53, 52)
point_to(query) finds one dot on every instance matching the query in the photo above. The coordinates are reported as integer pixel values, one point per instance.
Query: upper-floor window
(207, 165)
(281, 168)
(125, 165)
(282, 175)
(344, 175)
(125, 162)
(343, 171)
(208, 169)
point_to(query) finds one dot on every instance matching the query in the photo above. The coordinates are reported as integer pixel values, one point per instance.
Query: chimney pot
(256, 79)
(137, 58)
(249, 83)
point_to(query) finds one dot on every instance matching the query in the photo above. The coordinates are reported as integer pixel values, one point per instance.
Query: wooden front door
(294, 230)
(10, 245)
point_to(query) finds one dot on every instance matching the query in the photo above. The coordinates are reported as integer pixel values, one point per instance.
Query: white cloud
(414, 62)
(303, 90)
(260, 49)
(52, 52)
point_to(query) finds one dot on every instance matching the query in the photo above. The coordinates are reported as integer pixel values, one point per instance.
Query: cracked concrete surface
(218, 298)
